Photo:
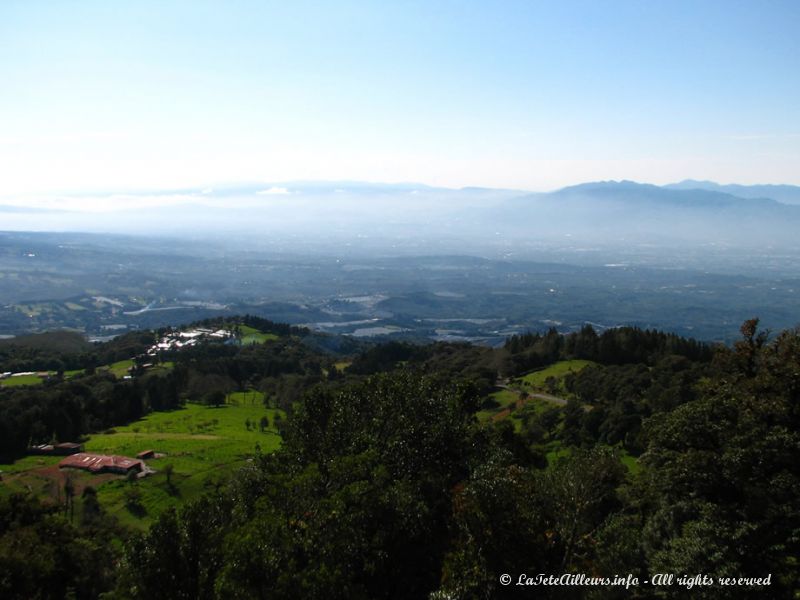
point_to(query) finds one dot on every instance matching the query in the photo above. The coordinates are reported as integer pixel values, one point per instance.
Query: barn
(101, 463)
(62, 449)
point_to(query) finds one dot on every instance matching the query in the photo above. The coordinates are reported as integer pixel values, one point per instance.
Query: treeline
(260, 323)
(442, 361)
(65, 351)
(281, 369)
(66, 410)
(621, 345)
(526, 352)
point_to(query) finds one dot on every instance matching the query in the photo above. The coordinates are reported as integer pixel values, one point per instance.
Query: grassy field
(120, 368)
(507, 398)
(162, 367)
(248, 398)
(630, 461)
(508, 402)
(537, 379)
(510, 405)
(251, 335)
(25, 464)
(203, 445)
(21, 380)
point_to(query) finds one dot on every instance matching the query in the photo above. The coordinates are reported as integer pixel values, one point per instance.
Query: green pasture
(251, 335)
(119, 368)
(21, 380)
(163, 367)
(26, 463)
(247, 398)
(204, 445)
(537, 379)
(504, 398)
(507, 399)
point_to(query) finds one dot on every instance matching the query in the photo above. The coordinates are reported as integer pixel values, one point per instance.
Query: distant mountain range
(630, 191)
(630, 212)
(788, 194)
(426, 219)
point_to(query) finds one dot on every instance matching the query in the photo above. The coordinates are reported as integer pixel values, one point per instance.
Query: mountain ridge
(783, 193)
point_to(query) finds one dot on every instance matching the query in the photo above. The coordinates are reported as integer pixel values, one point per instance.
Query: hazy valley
(414, 263)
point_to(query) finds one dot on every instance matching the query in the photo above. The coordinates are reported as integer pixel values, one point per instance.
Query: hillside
(64, 342)
(261, 442)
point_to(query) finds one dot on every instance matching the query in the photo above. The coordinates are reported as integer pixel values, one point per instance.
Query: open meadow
(251, 335)
(197, 447)
(535, 391)
(532, 395)
(539, 379)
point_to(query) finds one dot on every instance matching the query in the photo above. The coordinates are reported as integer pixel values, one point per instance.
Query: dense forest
(389, 484)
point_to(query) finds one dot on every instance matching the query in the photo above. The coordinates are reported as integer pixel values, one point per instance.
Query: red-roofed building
(100, 463)
(68, 448)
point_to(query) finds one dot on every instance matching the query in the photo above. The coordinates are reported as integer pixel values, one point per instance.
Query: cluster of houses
(175, 340)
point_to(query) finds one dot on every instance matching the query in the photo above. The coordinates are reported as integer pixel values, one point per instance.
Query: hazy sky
(534, 95)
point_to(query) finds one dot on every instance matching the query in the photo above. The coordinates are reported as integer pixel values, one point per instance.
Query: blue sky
(533, 95)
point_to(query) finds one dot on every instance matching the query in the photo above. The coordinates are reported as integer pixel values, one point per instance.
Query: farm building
(63, 449)
(146, 454)
(100, 463)
(67, 448)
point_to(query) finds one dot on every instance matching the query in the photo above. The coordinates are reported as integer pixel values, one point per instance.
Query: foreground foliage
(388, 486)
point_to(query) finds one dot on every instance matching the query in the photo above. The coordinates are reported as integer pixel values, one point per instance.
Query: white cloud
(274, 191)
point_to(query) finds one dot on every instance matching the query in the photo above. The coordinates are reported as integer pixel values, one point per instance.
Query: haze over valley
(402, 218)
(407, 261)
